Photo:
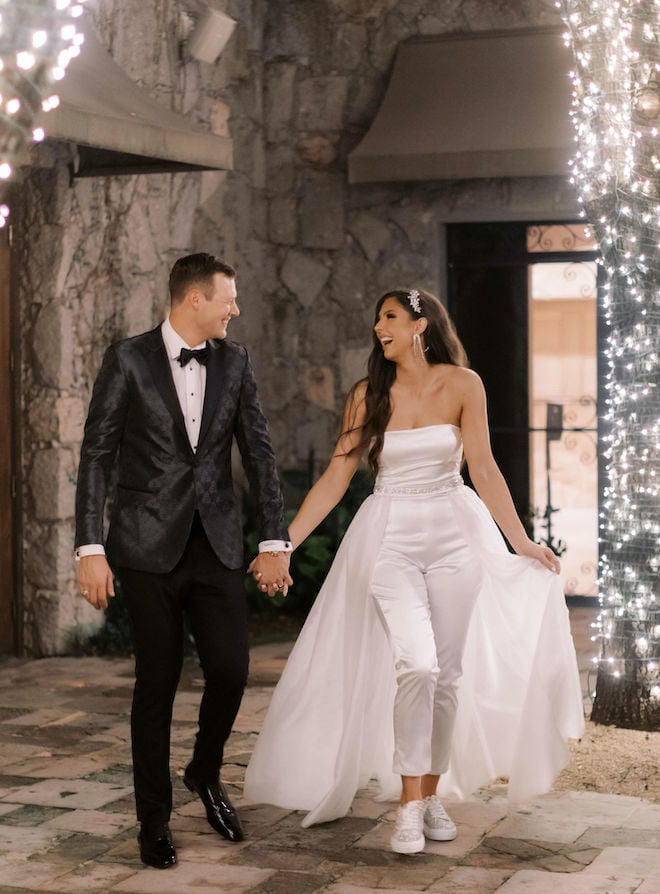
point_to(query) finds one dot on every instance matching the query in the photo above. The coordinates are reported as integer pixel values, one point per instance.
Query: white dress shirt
(190, 385)
(189, 381)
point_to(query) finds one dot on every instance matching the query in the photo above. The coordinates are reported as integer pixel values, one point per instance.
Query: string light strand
(38, 39)
(616, 171)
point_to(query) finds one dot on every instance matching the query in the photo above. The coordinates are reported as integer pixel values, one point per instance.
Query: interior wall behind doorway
(563, 373)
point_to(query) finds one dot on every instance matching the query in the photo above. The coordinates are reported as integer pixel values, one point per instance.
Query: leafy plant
(544, 517)
(312, 559)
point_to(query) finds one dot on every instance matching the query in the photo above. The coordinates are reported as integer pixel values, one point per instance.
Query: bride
(432, 653)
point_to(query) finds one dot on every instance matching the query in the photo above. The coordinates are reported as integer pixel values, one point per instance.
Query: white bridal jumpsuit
(429, 649)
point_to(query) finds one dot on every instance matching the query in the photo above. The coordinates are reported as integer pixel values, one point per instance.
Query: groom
(166, 406)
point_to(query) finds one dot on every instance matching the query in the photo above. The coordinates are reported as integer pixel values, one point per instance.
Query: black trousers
(213, 598)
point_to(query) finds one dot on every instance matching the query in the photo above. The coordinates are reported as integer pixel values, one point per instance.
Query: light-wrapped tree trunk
(616, 169)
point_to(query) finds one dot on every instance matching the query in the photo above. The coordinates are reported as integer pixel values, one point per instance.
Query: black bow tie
(201, 355)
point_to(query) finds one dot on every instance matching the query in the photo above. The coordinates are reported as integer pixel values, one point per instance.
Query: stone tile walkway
(67, 824)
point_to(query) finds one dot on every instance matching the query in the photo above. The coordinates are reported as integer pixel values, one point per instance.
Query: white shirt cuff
(89, 549)
(275, 546)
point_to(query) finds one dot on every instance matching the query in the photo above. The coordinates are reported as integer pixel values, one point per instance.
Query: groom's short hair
(198, 269)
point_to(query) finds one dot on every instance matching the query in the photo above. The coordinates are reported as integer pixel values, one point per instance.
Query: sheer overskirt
(329, 730)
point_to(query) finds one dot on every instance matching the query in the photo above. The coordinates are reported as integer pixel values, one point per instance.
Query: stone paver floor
(67, 823)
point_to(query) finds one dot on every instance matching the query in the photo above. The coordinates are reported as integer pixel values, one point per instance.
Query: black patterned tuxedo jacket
(135, 416)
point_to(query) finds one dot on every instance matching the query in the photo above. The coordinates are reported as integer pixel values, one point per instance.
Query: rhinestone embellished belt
(441, 488)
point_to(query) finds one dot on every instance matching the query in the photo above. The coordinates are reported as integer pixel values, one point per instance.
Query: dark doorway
(523, 297)
(7, 540)
(487, 292)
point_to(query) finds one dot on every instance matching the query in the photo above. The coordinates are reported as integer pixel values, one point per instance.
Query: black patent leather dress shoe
(220, 811)
(156, 846)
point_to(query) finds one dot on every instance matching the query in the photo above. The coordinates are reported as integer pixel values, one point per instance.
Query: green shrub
(312, 559)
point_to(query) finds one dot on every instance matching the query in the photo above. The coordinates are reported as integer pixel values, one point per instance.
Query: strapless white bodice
(420, 461)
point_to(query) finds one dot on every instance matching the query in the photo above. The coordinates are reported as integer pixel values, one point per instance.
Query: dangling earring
(418, 350)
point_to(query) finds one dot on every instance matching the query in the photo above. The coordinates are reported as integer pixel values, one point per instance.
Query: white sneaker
(408, 835)
(438, 826)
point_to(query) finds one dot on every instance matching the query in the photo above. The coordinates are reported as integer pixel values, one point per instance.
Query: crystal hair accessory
(413, 298)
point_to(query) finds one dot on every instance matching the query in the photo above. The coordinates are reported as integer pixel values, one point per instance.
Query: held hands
(542, 554)
(95, 581)
(271, 571)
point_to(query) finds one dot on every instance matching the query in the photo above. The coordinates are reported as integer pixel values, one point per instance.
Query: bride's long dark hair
(442, 346)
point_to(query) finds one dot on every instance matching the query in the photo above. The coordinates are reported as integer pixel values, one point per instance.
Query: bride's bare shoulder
(358, 392)
(463, 379)
(355, 406)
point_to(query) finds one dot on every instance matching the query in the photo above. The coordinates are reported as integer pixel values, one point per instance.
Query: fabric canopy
(483, 105)
(119, 128)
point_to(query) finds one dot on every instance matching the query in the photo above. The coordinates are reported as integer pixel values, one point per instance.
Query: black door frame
(494, 245)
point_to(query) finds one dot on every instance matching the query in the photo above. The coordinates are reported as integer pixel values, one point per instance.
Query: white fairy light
(616, 116)
(37, 42)
(25, 60)
(52, 102)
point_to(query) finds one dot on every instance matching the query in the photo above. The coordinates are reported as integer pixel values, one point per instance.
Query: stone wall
(335, 247)
(296, 88)
(92, 258)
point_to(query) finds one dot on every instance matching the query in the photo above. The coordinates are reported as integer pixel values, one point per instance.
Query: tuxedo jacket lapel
(161, 371)
(216, 368)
